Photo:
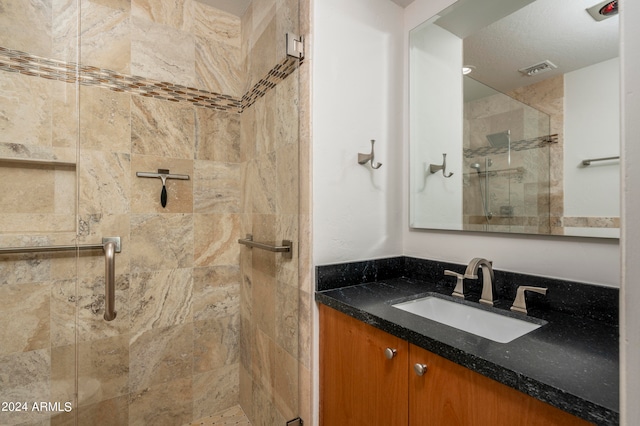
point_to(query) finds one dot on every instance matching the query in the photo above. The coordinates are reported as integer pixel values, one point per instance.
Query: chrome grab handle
(284, 248)
(420, 369)
(590, 160)
(109, 280)
(110, 245)
(390, 353)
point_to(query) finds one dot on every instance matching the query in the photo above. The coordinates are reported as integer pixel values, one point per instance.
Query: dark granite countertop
(571, 362)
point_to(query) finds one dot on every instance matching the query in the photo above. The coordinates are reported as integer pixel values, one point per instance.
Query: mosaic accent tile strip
(533, 143)
(70, 72)
(275, 76)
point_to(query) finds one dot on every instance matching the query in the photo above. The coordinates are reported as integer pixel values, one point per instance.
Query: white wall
(591, 130)
(630, 240)
(581, 259)
(436, 124)
(357, 96)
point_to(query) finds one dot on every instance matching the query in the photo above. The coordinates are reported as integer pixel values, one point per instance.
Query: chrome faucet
(487, 278)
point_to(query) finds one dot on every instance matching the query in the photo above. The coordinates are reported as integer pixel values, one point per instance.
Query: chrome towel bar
(285, 248)
(110, 245)
(590, 160)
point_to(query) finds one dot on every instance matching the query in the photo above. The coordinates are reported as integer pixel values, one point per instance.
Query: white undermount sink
(490, 325)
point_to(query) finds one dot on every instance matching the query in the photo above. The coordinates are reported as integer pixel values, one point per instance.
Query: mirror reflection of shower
(484, 193)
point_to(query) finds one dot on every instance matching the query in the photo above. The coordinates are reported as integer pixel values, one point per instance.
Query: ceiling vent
(538, 68)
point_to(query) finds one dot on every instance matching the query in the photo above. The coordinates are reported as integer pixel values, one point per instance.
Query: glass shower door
(38, 212)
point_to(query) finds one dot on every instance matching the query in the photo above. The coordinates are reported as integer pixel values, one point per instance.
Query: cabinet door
(452, 395)
(359, 385)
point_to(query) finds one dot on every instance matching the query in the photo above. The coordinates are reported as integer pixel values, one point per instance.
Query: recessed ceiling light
(467, 69)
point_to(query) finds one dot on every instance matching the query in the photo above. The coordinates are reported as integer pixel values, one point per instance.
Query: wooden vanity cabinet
(359, 386)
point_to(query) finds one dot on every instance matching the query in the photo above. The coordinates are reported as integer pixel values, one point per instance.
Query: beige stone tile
(162, 128)
(24, 317)
(36, 16)
(287, 317)
(25, 377)
(216, 239)
(217, 187)
(218, 135)
(160, 356)
(288, 179)
(263, 55)
(305, 329)
(63, 312)
(286, 384)
(111, 412)
(176, 14)
(26, 108)
(106, 34)
(245, 396)
(215, 390)
(265, 116)
(146, 191)
(262, 181)
(105, 182)
(65, 30)
(65, 118)
(264, 312)
(218, 51)
(216, 343)
(168, 404)
(216, 292)
(161, 241)
(248, 133)
(263, 362)
(36, 194)
(230, 416)
(287, 120)
(103, 369)
(105, 119)
(160, 299)
(174, 62)
(90, 303)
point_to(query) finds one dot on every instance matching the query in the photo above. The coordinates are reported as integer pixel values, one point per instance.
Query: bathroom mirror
(514, 118)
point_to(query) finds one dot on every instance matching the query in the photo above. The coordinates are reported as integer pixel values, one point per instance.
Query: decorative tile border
(70, 72)
(533, 143)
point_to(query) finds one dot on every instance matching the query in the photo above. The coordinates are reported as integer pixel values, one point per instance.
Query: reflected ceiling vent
(538, 68)
(604, 10)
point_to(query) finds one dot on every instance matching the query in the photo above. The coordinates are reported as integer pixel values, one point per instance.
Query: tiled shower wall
(173, 353)
(270, 308)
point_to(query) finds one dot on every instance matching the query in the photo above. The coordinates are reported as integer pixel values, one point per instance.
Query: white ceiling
(234, 7)
(560, 31)
(403, 3)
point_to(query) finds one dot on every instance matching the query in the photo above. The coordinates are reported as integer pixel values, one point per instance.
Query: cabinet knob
(389, 353)
(420, 369)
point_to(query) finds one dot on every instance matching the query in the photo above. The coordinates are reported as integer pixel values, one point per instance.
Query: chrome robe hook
(364, 158)
(433, 168)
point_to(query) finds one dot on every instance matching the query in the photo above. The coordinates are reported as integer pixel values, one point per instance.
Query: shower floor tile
(232, 416)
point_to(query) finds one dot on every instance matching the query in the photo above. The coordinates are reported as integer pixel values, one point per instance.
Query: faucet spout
(487, 277)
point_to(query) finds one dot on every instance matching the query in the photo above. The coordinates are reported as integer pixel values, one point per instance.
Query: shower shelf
(37, 162)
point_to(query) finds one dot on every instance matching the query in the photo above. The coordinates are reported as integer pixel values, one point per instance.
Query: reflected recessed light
(467, 69)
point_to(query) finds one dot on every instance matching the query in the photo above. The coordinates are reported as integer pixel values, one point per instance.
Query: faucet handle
(458, 291)
(520, 303)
